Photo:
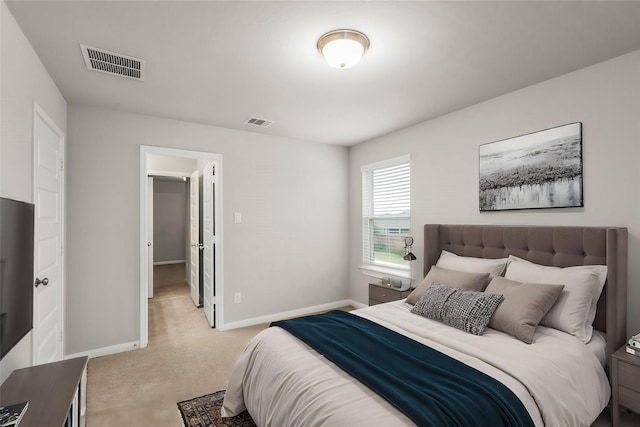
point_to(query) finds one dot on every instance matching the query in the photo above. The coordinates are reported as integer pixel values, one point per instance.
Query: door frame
(146, 150)
(150, 238)
(39, 112)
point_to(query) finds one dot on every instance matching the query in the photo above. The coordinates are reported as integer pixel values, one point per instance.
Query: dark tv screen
(16, 272)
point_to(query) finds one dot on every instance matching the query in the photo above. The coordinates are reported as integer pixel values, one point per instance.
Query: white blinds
(391, 190)
(386, 209)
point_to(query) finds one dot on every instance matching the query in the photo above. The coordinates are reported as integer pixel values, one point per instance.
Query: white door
(209, 237)
(49, 202)
(194, 227)
(150, 235)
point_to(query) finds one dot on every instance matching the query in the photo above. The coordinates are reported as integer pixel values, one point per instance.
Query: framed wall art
(534, 171)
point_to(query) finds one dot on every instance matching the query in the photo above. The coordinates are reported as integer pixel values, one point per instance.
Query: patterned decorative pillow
(469, 311)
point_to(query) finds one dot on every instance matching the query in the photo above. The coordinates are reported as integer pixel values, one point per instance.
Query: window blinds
(386, 208)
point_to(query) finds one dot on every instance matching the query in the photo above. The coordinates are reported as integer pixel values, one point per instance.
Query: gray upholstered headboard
(554, 246)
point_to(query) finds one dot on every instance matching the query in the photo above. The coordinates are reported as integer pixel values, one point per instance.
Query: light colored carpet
(185, 358)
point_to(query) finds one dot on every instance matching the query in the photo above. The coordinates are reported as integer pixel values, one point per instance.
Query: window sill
(384, 272)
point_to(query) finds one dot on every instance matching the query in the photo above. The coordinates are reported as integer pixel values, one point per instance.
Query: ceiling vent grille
(263, 123)
(112, 63)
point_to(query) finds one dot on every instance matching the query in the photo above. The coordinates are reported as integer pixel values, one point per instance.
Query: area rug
(204, 411)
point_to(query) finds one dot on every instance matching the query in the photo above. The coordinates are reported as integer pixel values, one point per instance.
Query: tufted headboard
(554, 246)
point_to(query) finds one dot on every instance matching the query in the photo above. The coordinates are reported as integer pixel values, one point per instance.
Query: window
(386, 211)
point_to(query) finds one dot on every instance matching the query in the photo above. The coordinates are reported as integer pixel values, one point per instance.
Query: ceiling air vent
(116, 64)
(259, 122)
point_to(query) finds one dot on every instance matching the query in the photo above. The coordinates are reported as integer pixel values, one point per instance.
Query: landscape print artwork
(533, 171)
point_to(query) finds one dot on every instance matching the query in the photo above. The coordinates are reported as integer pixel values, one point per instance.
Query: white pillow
(451, 261)
(575, 308)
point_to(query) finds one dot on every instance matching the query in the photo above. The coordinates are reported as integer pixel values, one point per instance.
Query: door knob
(44, 282)
(148, 243)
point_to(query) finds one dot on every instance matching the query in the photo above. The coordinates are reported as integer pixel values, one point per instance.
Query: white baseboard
(357, 304)
(178, 261)
(134, 345)
(105, 351)
(288, 314)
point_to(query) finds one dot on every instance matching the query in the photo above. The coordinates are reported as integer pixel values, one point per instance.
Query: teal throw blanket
(431, 388)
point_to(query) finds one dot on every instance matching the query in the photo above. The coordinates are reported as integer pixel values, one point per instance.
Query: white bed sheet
(283, 382)
(598, 346)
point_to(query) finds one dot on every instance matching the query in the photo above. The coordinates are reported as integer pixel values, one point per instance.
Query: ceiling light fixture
(343, 48)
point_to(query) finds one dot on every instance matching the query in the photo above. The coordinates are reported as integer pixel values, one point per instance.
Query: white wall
(444, 161)
(169, 220)
(23, 81)
(289, 251)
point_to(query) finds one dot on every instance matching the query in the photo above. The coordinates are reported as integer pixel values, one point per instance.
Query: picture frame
(538, 170)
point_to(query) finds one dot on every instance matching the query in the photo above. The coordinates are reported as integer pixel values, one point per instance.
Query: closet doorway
(183, 240)
(169, 233)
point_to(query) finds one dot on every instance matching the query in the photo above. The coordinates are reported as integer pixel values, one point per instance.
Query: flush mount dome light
(343, 48)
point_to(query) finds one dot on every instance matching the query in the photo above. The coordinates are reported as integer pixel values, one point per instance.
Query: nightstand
(625, 379)
(379, 294)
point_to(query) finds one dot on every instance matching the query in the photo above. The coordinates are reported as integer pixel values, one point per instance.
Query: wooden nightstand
(379, 294)
(625, 378)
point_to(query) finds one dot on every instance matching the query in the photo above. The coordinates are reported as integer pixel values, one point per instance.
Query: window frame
(380, 269)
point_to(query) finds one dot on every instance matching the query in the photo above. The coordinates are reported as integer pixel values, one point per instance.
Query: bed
(559, 379)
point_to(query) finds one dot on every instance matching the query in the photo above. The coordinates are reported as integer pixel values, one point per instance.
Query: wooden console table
(54, 392)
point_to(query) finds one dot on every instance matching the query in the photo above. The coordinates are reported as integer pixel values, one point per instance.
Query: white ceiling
(220, 63)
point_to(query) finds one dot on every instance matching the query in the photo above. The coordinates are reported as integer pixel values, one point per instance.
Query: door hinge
(60, 338)
(214, 240)
(61, 165)
(61, 250)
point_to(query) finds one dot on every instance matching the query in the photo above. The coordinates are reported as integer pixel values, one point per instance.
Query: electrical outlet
(237, 298)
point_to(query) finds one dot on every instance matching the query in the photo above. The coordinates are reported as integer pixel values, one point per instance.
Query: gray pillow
(524, 306)
(575, 309)
(494, 267)
(469, 311)
(457, 279)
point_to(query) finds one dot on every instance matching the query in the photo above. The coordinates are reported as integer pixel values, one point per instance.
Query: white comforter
(283, 382)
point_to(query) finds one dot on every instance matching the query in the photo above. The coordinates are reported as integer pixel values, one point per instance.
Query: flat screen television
(16, 272)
